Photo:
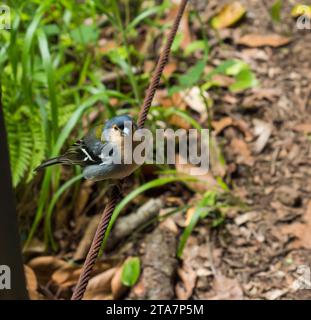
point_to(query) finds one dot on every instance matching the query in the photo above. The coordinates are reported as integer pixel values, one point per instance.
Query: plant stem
(121, 29)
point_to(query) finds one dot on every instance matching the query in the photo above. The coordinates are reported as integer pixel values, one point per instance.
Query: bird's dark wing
(87, 150)
(79, 154)
(84, 152)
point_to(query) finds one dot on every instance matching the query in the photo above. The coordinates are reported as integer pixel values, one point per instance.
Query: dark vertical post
(11, 264)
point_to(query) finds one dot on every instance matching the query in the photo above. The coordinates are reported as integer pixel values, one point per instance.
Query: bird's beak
(126, 131)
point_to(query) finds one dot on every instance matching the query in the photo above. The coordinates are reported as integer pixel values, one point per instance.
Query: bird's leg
(119, 184)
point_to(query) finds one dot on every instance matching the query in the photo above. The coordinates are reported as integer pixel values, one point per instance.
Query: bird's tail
(49, 162)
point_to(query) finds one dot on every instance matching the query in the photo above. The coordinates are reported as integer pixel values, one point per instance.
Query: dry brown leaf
(263, 131)
(31, 283)
(175, 101)
(45, 266)
(244, 128)
(117, 287)
(303, 127)
(260, 40)
(184, 28)
(241, 125)
(169, 69)
(87, 239)
(148, 66)
(226, 289)
(35, 247)
(301, 231)
(245, 217)
(100, 296)
(205, 182)
(100, 285)
(230, 98)
(241, 150)
(189, 214)
(270, 94)
(195, 101)
(139, 289)
(259, 94)
(169, 224)
(106, 45)
(221, 124)
(179, 122)
(162, 98)
(251, 54)
(275, 294)
(217, 165)
(185, 287)
(222, 80)
(83, 197)
(66, 276)
(31, 279)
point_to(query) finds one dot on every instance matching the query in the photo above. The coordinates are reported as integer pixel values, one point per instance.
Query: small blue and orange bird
(97, 150)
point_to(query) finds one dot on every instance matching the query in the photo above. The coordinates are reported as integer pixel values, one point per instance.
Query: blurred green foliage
(52, 65)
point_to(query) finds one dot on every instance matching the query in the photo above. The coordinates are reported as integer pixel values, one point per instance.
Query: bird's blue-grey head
(123, 125)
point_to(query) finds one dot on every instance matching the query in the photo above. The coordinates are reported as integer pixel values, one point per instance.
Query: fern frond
(26, 143)
(21, 161)
(38, 147)
(65, 113)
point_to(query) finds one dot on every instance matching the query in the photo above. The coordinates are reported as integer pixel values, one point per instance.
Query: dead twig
(125, 226)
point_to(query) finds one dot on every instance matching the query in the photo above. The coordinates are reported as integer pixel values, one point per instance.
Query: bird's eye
(115, 127)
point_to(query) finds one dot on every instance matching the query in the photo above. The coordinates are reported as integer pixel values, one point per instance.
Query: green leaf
(85, 34)
(240, 70)
(76, 116)
(222, 183)
(144, 15)
(27, 57)
(221, 69)
(130, 271)
(201, 211)
(236, 68)
(177, 42)
(51, 29)
(275, 11)
(188, 230)
(49, 70)
(193, 75)
(195, 46)
(244, 80)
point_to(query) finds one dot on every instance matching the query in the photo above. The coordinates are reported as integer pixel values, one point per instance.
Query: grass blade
(64, 134)
(48, 66)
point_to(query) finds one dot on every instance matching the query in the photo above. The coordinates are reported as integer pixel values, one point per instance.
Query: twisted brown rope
(105, 219)
(160, 66)
(95, 246)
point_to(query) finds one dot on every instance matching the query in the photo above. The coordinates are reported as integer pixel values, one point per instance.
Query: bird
(101, 151)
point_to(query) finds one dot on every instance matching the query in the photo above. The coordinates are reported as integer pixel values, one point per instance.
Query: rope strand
(160, 66)
(106, 216)
(95, 247)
